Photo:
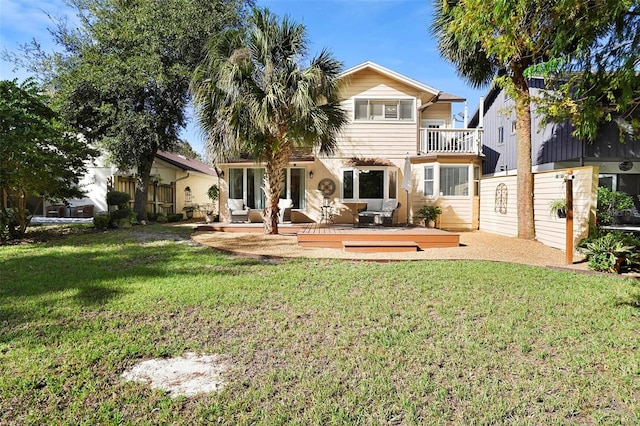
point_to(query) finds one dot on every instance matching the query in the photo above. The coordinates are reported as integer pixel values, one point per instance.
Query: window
(500, 135)
(393, 178)
(476, 181)
(235, 184)
(450, 180)
(454, 180)
(514, 127)
(428, 181)
(384, 109)
(347, 184)
(247, 183)
(255, 194)
(369, 183)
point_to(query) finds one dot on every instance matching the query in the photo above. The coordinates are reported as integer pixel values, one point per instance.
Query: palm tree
(253, 96)
(489, 43)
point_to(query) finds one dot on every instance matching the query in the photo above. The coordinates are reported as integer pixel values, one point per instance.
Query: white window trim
(245, 182)
(356, 182)
(414, 111)
(436, 180)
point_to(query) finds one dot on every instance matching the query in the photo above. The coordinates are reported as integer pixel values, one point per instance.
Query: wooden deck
(349, 238)
(389, 238)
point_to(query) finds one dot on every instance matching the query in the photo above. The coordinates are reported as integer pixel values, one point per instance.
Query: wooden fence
(160, 197)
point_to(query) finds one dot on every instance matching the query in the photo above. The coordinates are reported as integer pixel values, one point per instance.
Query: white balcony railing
(451, 141)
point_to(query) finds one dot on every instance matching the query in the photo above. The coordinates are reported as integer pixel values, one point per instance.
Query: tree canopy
(597, 79)
(38, 155)
(124, 74)
(252, 95)
(501, 41)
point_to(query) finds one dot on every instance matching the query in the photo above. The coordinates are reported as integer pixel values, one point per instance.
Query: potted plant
(558, 208)
(189, 210)
(214, 194)
(429, 213)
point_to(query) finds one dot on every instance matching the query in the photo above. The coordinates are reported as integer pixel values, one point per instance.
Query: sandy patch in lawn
(181, 376)
(476, 245)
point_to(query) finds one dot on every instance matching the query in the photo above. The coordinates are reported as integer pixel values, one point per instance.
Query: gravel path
(475, 245)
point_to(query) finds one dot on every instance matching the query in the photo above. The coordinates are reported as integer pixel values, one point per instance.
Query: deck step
(379, 246)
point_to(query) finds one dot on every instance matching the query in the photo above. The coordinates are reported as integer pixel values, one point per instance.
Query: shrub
(174, 217)
(609, 202)
(118, 198)
(122, 217)
(153, 217)
(609, 252)
(101, 222)
(8, 224)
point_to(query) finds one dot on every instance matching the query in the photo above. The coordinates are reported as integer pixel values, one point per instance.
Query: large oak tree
(123, 75)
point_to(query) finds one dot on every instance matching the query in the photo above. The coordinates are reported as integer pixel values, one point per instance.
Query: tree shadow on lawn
(633, 300)
(35, 287)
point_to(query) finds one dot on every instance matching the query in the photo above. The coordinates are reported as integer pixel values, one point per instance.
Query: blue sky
(392, 33)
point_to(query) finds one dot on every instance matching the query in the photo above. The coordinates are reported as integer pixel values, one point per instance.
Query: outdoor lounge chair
(379, 212)
(85, 210)
(238, 212)
(284, 209)
(55, 210)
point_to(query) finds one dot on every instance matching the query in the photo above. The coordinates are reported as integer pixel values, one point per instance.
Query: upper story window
(384, 109)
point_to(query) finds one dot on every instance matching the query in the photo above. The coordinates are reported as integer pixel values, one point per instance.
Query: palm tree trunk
(526, 225)
(275, 164)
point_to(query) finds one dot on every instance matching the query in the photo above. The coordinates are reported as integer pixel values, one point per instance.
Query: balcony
(451, 141)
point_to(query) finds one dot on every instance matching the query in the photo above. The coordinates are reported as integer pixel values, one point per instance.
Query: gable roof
(184, 163)
(391, 74)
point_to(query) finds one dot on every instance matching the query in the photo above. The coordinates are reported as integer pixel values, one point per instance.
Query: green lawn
(310, 341)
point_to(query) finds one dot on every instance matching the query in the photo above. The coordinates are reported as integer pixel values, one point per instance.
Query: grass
(310, 341)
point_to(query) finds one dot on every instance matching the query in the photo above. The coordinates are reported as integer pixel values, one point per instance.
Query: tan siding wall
(374, 139)
(199, 185)
(382, 139)
(491, 220)
(550, 230)
(457, 212)
(368, 83)
(438, 111)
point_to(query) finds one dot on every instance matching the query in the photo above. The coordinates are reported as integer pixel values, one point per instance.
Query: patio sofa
(379, 212)
(238, 212)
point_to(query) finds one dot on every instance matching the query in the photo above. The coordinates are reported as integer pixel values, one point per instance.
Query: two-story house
(392, 119)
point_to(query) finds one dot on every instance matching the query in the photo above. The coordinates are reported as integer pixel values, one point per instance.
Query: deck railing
(451, 141)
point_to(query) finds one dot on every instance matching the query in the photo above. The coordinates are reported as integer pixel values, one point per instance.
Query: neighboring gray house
(553, 147)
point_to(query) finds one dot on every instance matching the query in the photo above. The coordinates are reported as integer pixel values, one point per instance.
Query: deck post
(569, 225)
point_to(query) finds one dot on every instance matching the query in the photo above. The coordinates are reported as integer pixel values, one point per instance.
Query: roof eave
(391, 74)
